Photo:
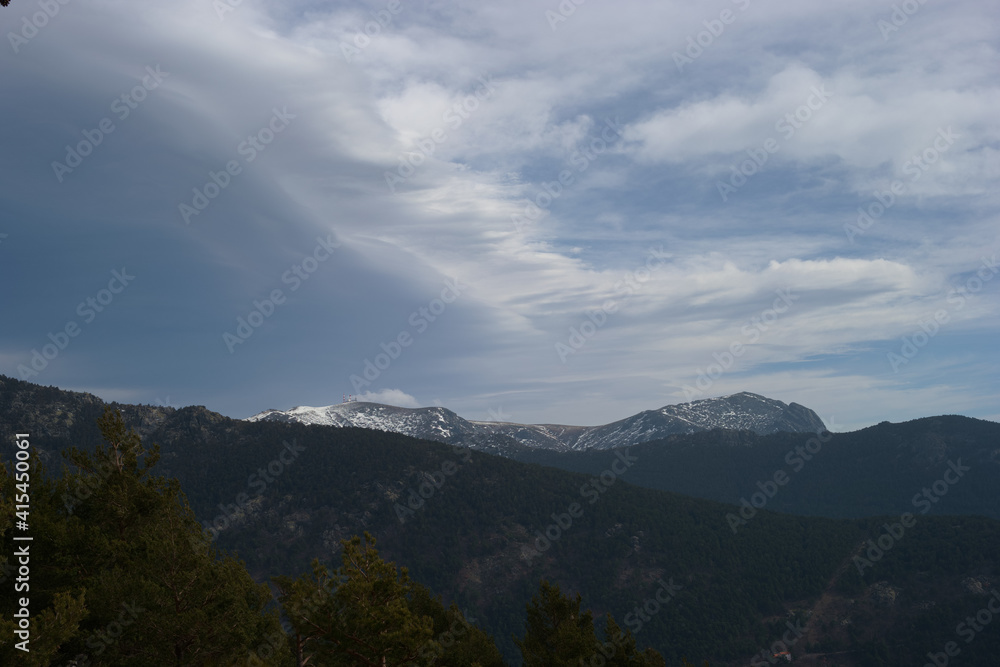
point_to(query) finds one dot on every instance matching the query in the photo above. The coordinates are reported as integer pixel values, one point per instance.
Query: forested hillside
(484, 531)
(884, 469)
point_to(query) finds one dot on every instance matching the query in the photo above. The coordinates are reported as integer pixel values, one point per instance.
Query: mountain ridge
(741, 411)
(469, 525)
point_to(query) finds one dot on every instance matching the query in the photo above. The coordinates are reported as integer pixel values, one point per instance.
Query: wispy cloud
(514, 112)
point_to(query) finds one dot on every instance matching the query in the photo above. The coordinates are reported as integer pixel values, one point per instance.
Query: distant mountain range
(742, 412)
(482, 530)
(882, 469)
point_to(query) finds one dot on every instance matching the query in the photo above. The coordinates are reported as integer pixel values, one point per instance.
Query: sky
(537, 211)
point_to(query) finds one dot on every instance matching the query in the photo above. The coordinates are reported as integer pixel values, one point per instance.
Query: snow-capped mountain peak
(743, 411)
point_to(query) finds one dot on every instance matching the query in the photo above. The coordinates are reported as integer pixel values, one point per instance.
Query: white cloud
(396, 397)
(452, 218)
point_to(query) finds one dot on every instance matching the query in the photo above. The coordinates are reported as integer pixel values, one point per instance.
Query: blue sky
(560, 213)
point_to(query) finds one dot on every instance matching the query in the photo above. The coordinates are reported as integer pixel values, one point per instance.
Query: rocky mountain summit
(743, 411)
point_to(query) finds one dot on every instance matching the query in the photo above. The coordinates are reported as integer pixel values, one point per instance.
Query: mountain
(743, 411)
(882, 469)
(482, 530)
(433, 423)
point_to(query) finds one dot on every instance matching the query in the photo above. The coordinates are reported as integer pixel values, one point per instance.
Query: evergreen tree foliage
(457, 642)
(54, 619)
(621, 651)
(124, 573)
(558, 634)
(368, 613)
(467, 540)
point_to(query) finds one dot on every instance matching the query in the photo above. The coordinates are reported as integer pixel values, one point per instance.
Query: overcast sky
(544, 212)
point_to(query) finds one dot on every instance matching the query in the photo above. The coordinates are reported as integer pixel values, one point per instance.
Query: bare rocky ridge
(743, 411)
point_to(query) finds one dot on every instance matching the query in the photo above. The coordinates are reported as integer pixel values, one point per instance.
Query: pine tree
(620, 649)
(558, 634)
(368, 613)
(123, 547)
(54, 616)
(457, 642)
(357, 615)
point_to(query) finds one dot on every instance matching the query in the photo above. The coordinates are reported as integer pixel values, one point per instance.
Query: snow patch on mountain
(743, 411)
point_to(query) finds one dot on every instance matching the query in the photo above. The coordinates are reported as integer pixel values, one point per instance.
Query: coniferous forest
(560, 333)
(366, 546)
(138, 582)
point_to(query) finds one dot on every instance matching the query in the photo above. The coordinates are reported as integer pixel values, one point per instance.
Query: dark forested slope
(483, 530)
